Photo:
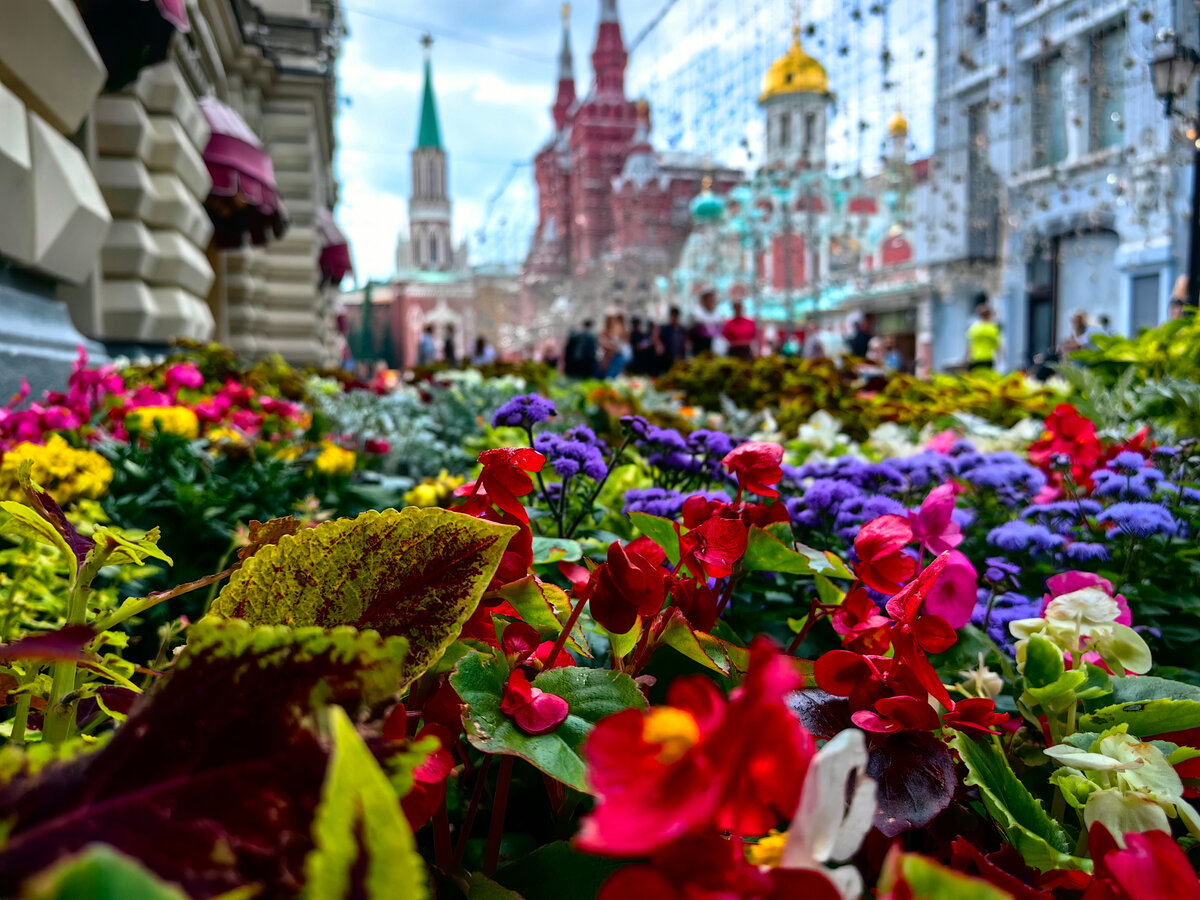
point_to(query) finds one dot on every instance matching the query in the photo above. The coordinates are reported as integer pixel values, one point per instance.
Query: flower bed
(619, 655)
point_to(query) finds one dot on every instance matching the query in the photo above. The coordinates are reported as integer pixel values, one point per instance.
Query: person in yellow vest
(983, 339)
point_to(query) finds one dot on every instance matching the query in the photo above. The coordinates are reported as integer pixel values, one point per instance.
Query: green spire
(429, 133)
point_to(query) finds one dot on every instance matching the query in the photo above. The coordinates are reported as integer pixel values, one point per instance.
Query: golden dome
(795, 73)
(897, 125)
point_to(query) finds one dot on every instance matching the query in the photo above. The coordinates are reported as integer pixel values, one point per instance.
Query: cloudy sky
(494, 67)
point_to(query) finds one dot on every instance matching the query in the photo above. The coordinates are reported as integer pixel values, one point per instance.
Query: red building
(612, 211)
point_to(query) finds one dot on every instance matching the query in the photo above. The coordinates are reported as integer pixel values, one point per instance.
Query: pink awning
(244, 199)
(335, 249)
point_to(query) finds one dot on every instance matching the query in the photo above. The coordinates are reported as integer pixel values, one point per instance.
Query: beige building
(187, 198)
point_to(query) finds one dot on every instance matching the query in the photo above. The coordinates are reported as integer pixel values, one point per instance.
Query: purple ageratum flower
(1006, 607)
(1000, 571)
(524, 411)
(1128, 461)
(666, 504)
(1139, 520)
(858, 510)
(828, 494)
(570, 457)
(1017, 537)
(1086, 551)
(1166, 452)
(925, 468)
(881, 478)
(638, 425)
(1012, 480)
(713, 443)
(659, 438)
(963, 518)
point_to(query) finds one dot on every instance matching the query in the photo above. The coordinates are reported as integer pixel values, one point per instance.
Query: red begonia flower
(429, 778)
(882, 563)
(715, 546)
(628, 585)
(519, 640)
(756, 464)
(976, 714)
(533, 710)
(505, 477)
(696, 601)
(897, 714)
(933, 525)
(698, 509)
(1070, 435)
(735, 765)
(860, 623)
(1150, 867)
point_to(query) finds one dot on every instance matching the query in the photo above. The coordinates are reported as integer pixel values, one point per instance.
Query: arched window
(433, 249)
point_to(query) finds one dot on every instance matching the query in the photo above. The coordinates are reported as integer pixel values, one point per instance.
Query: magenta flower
(183, 375)
(933, 524)
(954, 595)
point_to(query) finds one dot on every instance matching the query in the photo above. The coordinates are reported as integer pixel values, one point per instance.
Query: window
(1143, 301)
(1049, 117)
(810, 131)
(977, 17)
(785, 130)
(1041, 287)
(433, 250)
(1106, 89)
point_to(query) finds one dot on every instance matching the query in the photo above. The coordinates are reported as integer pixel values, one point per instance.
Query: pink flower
(882, 563)
(183, 375)
(933, 524)
(533, 710)
(1069, 582)
(377, 446)
(213, 409)
(954, 595)
(60, 418)
(245, 420)
(942, 442)
(757, 467)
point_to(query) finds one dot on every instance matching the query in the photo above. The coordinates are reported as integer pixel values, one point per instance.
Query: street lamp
(1172, 70)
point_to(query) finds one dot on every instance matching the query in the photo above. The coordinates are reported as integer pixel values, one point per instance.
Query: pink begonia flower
(246, 420)
(183, 375)
(955, 593)
(60, 418)
(942, 442)
(1047, 494)
(1069, 582)
(933, 524)
(147, 396)
(213, 409)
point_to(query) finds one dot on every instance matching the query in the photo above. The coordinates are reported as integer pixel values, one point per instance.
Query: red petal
(903, 607)
(543, 714)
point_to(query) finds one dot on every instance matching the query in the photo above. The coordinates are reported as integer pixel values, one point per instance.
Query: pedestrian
(893, 359)
(672, 341)
(706, 323)
(485, 353)
(615, 347)
(641, 337)
(426, 348)
(983, 339)
(1083, 333)
(741, 332)
(859, 342)
(580, 353)
(813, 347)
(449, 346)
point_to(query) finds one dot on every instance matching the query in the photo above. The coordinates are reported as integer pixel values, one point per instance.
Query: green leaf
(1151, 687)
(1061, 690)
(552, 550)
(765, 553)
(483, 888)
(704, 648)
(1145, 718)
(100, 873)
(661, 531)
(621, 644)
(1042, 842)
(417, 573)
(828, 592)
(131, 547)
(359, 813)
(1043, 662)
(591, 694)
(22, 521)
(546, 607)
(930, 880)
(542, 874)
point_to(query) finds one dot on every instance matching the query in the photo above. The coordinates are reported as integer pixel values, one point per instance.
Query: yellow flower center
(768, 851)
(675, 730)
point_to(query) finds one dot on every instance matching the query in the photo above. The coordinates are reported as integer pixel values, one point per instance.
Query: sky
(494, 73)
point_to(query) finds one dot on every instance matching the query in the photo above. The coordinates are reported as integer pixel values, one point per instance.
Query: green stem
(21, 719)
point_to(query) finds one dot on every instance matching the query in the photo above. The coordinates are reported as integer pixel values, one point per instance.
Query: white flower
(1090, 606)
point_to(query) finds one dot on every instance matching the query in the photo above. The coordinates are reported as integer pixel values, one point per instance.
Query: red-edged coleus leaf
(416, 573)
(213, 780)
(66, 643)
(914, 773)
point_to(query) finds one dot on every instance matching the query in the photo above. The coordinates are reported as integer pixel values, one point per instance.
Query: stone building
(1055, 169)
(186, 198)
(612, 210)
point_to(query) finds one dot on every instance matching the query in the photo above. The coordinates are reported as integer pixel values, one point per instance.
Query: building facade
(1057, 170)
(612, 210)
(175, 200)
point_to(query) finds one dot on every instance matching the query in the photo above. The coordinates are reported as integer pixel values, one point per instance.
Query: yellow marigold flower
(423, 495)
(334, 460)
(168, 419)
(226, 434)
(66, 473)
(290, 452)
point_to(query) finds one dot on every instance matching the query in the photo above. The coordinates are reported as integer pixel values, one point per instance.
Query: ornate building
(612, 210)
(793, 241)
(433, 283)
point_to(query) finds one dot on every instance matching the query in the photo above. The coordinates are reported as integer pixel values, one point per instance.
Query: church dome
(707, 207)
(794, 73)
(897, 125)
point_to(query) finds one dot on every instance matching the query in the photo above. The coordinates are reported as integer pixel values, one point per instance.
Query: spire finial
(796, 20)
(566, 14)
(427, 44)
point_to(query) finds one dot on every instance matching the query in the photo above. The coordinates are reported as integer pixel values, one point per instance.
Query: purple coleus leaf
(916, 780)
(48, 509)
(66, 643)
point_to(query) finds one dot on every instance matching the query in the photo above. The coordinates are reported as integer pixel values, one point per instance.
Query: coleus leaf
(213, 780)
(66, 643)
(99, 873)
(1042, 842)
(915, 779)
(591, 694)
(359, 816)
(417, 573)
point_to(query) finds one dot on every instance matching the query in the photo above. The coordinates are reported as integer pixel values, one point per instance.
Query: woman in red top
(740, 332)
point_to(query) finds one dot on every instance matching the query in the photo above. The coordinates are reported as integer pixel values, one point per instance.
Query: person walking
(641, 337)
(449, 346)
(672, 341)
(615, 347)
(983, 339)
(579, 356)
(1083, 333)
(706, 323)
(859, 342)
(740, 332)
(485, 353)
(426, 348)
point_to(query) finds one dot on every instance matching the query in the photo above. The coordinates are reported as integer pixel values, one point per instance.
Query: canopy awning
(244, 199)
(132, 34)
(335, 249)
